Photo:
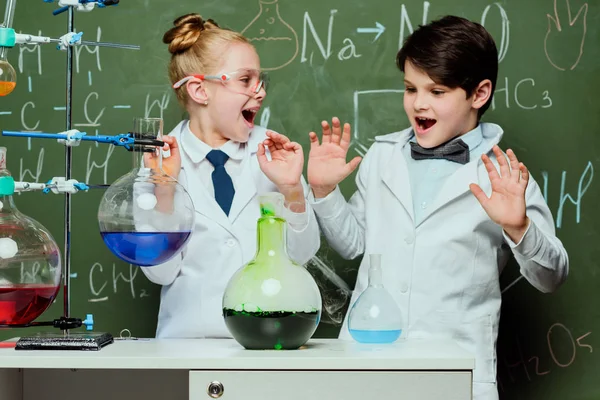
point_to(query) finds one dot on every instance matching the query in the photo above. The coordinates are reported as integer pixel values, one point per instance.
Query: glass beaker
(146, 216)
(30, 261)
(375, 316)
(272, 302)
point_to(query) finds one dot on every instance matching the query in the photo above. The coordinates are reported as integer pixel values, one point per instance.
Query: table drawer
(326, 385)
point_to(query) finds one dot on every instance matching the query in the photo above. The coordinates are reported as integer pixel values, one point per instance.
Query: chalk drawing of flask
(275, 40)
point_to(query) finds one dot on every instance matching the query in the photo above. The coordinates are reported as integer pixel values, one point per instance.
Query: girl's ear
(197, 91)
(482, 93)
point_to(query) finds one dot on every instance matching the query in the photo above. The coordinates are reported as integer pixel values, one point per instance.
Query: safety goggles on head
(244, 81)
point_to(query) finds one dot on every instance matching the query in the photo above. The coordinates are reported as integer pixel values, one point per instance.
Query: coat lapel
(208, 206)
(204, 203)
(245, 189)
(395, 177)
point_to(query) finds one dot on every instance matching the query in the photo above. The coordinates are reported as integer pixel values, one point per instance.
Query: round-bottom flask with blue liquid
(375, 317)
(146, 216)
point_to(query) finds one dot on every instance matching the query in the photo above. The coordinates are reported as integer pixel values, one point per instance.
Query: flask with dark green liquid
(272, 302)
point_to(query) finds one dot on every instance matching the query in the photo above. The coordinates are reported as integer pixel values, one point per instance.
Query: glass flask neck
(147, 130)
(271, 238)
(375, 278)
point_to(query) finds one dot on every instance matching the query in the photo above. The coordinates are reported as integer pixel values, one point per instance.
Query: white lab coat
(194, 281)
(444, 272)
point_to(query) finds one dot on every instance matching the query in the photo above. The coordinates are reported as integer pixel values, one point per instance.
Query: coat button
(424, 205)
(230, 243)
(403, 287)
(409, 239)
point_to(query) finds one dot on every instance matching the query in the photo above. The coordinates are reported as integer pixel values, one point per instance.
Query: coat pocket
(478, 336)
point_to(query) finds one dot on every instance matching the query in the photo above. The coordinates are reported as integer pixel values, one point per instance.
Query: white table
(179, 369)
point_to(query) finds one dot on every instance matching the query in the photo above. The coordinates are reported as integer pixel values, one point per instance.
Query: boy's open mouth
(425, 123)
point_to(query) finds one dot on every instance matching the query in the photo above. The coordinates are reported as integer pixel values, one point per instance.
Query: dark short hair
(454, 52)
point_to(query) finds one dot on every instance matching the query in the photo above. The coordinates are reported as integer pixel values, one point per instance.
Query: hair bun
(186, 31)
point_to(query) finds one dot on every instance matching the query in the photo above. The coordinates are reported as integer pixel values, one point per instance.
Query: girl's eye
(437, 92)
(410, 90)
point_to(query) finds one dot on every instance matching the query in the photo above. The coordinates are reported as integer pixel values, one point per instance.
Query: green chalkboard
(333, 57)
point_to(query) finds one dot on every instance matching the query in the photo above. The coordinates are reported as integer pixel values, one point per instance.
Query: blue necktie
(222, 182)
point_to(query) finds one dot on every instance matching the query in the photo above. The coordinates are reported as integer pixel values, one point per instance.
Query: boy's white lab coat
(444, 272)
(194, 282)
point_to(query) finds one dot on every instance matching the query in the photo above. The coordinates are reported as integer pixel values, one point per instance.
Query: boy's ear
(482, 93)
(197, 91)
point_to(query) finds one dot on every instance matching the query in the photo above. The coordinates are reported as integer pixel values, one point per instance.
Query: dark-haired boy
(439, 200)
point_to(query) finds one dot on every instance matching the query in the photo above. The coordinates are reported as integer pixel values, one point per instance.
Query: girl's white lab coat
(444, 272)
(194, 282)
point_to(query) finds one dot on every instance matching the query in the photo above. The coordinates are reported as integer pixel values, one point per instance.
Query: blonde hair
(196, 46)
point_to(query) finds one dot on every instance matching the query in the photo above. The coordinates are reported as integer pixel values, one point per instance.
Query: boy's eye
(437, 92)
(410, 90)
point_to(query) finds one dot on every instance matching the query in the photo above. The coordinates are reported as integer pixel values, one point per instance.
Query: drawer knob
(215, 389)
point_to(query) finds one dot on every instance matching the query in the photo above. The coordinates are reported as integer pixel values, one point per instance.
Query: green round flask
(272, 302)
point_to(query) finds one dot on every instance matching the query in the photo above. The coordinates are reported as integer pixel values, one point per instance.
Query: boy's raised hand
(506, 205)
(327, 161)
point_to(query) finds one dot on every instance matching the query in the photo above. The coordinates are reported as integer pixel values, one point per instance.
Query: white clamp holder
(69, 39)
(28, 186)
(85, 7)
(60, 185)
(23, 38)
(73, 138)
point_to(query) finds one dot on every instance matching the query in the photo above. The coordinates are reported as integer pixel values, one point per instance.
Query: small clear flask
(375, 317)
(30, 261)
(146, 216)
(272, 302)
(8, 75)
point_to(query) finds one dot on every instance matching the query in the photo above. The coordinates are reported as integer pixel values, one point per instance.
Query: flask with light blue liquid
(375, 317)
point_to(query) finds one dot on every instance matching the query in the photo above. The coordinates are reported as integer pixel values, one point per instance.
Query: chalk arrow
(379, 29)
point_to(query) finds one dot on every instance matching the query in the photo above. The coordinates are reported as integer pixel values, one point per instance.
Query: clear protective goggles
(244, 81)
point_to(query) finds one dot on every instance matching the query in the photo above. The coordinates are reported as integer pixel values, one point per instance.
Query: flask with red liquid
(30, 261)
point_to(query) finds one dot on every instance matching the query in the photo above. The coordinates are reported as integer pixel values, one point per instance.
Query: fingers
(171, 145)
(292, 146)
(326, 132)
(277, 137)
(314, 140)
(336, 135)
(489, 166)
(504, 168)
(261, 155)
(353, 164)
(275, 140)
(271, 145)
(514, 165)
(479, 194)
(524, 175)
(345, 140)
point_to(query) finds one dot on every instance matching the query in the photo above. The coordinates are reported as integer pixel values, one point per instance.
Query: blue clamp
(81, 186)
(88, 322)
(76, 37)
(124, 139)
(47, 189)
(99, 3)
